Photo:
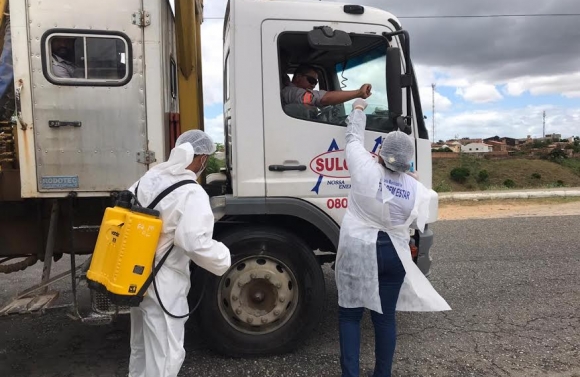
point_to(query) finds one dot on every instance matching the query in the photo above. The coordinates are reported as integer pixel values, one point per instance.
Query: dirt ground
(487, 209)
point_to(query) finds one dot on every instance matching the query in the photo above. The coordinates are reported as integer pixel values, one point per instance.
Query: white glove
(359, 103)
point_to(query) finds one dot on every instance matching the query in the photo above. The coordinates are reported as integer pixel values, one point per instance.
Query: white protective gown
(369, 211)
(156, 338)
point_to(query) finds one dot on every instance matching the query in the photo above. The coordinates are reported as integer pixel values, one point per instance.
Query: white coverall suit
(156, 338)
(369, 211)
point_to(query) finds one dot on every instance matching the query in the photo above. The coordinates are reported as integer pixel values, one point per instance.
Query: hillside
(524, 174)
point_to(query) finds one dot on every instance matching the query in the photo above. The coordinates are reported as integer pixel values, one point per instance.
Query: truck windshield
(366, 68)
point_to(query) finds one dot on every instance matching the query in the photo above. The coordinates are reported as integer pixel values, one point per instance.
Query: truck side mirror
(394, 86)
(325, 38)
(395, 89)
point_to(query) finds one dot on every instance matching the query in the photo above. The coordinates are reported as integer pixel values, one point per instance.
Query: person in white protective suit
(374, 266)
(157, 338)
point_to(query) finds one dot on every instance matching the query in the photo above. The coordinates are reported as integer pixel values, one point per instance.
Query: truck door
(304, 145)
(88, 89)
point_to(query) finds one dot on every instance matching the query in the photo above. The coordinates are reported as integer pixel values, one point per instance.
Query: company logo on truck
(332, 164)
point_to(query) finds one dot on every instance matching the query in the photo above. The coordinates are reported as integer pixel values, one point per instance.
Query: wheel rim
(258, 295)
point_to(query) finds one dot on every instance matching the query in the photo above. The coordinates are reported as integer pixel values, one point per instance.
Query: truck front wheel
(270, 298)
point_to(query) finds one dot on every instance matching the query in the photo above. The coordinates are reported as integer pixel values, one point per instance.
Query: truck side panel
(88, 131)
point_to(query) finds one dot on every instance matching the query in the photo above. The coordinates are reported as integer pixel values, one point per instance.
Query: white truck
(75, 142)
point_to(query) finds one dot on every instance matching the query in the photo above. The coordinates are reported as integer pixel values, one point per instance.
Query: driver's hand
(365, 91)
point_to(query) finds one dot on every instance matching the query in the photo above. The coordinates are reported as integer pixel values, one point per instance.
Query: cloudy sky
(494, 76)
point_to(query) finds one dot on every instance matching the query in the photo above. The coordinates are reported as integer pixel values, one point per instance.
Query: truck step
(27, 305)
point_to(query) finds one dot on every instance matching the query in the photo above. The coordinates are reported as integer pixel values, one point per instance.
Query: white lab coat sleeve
(357, 157)
(194, 234)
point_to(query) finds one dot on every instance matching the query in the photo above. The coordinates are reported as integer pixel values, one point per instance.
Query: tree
(482, 176)
(219, 147)
(539, 144)
(460, 174)
(213, 165)
(444, 149)
(557, 155)
(509, 183)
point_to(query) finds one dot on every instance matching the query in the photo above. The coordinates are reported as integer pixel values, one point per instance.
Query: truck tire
(269, 300)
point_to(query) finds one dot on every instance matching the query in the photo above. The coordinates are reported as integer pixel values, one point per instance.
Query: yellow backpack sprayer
(122, 266)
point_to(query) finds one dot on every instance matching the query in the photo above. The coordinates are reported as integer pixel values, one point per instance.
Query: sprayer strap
(154, 203)
(153, 273)
(165, 192)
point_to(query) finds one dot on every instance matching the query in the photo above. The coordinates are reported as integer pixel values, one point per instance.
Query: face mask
(203, 166)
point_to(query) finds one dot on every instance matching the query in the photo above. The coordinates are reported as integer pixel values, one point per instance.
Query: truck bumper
(424, 256)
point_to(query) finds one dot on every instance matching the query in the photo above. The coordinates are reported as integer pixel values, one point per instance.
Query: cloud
(492, 50)
(480, 93)
(215, 128)
(442, 103)
(214, 8)
(212, 58)
(567, 85)
(517, 123)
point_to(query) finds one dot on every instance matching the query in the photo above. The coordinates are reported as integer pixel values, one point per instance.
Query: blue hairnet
(199, 140)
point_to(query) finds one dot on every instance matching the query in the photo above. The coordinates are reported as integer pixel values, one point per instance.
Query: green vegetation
(460, 174)
(474, 174)
(482, 176)
(214, 165)
(444, 149)
(509, 183)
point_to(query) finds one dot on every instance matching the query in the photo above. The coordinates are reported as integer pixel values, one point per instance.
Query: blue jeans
(391, 276)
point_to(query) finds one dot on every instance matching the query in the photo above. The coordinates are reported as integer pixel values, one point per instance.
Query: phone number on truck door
(338, 203)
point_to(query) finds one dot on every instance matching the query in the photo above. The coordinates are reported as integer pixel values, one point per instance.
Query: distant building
(455, 146)
(467, 140)
(476, 148)
(498, 146)
(549, 138)
(507, 140)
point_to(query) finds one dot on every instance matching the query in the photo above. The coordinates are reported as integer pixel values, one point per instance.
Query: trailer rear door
(89, 93)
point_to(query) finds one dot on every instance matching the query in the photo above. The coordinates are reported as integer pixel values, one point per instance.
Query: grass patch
(525, 174)
(573, 164)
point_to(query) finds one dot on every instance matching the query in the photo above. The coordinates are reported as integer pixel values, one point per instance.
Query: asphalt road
(512, 283)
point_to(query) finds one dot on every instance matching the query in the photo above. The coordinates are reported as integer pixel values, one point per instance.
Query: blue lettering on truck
(329, 165)
(342, 185)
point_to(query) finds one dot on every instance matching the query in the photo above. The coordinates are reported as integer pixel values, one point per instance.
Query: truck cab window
(87, 59)
(348, 69)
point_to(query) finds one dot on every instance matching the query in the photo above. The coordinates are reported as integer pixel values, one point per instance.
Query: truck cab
(286, 179)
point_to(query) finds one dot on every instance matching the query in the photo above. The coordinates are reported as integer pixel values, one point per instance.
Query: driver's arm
(336, 97)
